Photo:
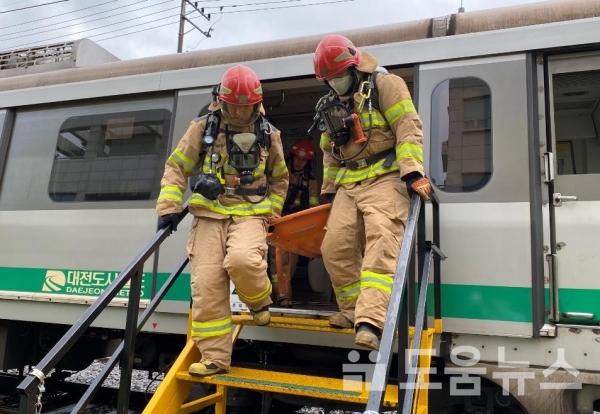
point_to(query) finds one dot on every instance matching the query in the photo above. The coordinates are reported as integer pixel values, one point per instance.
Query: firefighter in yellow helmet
(303, 193)
(373, 155)
(242, 185)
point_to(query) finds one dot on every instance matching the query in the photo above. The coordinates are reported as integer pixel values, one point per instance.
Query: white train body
(511, 120)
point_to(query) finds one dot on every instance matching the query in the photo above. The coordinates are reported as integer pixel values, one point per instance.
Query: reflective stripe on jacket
(186, 158)
(398, 127)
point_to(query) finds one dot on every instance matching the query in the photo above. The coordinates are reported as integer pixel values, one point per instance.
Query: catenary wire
(14, 2)
(252, 4)
(106, 25)
(54, 28)
(286, 7)
(70, 20)
(208, 31)
(167, 24)
(174, 22)
(106, 11)
(31, 7)
(58, 15)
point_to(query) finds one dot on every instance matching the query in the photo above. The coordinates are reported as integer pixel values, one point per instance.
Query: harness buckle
(229, 191)
(362, 163)
(364, 96)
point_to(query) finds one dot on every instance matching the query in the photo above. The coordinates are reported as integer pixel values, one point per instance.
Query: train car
(509, 101)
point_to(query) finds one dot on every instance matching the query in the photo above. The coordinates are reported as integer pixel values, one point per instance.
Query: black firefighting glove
(416, 183)
(168, 219)
(328, 197)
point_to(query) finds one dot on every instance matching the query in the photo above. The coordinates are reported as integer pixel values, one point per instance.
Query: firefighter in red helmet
(303, 193)
(242, 184)
(373, 162)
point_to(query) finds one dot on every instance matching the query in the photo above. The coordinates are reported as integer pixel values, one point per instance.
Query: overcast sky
(112, 23)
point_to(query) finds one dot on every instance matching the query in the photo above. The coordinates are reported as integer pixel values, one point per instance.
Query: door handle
(578, 315)
(559, 199)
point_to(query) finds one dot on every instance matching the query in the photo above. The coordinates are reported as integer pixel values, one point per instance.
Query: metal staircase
(404, 330)
(374, 394)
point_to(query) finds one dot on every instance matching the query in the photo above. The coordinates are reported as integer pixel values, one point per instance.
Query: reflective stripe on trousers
(370, 217)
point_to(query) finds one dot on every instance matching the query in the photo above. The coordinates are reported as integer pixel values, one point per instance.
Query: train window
(112, 156)
(576, 120)
(461, 135)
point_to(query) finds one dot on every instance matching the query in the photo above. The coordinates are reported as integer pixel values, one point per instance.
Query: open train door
(574, 187)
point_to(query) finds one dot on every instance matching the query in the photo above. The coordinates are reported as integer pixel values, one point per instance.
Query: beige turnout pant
(289, 262)
(369, 216)
(219, 250)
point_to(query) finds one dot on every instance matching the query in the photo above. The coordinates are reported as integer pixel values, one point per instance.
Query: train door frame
(189, 104)
(572, 200)
(510, 204)
(7, 117)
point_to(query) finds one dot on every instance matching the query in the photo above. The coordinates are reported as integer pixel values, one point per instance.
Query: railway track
(61, 396)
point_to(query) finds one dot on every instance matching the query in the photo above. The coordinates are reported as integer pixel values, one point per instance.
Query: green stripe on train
(499, 303)
(83, 282)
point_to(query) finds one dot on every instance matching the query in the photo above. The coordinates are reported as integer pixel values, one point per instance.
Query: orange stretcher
(302, 232)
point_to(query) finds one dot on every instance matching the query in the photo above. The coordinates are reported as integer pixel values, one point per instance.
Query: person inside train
(373, 163)
(242, 185)
(303, 193)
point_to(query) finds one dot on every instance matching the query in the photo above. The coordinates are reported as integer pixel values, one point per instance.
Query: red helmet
(303, 148)
(334, 54)
(240, 86)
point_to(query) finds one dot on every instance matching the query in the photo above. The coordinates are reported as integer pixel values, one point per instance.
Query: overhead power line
(14, 2)
(54, 26)
(106, 25)
(252, 4)
(98, 37)
(58, 15)
(224, 12)
(209, 30)
(100, 34)
(286, 7)
(31, 7)
(137, 31)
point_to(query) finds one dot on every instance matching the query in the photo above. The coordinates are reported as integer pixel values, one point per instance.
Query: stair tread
(289, 322)
(301, 324)
(305, 385)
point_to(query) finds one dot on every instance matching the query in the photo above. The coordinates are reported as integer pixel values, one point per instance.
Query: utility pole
(181, 27)
(183, 18)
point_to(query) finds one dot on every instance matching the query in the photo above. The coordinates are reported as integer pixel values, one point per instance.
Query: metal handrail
(110, 364)
(30, 388)
(398, 312)
(420, 324)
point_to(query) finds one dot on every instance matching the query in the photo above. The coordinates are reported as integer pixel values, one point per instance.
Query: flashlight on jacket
(212, 125)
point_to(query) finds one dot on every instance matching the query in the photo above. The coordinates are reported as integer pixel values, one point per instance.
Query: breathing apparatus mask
(335, 118)
(244, 156)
